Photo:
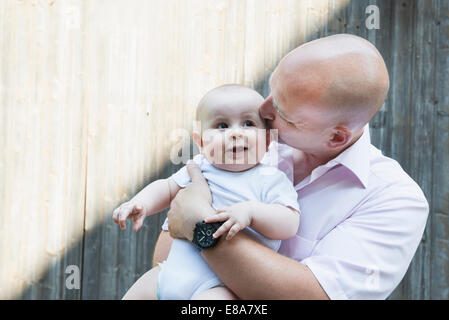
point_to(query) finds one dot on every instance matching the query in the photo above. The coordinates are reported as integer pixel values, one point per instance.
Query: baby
(245, 192)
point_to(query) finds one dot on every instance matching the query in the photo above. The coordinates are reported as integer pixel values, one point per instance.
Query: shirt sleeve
(367, 255)
(279, 189)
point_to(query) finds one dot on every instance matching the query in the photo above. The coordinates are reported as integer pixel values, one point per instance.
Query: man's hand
(190, 206)
(132, 210)
(237, 217)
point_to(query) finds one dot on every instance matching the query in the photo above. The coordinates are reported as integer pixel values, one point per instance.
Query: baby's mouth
(239, 149)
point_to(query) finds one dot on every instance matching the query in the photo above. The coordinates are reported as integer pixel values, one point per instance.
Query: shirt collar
(356, 158)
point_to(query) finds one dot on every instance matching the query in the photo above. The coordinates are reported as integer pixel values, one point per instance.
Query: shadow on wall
(99, 276)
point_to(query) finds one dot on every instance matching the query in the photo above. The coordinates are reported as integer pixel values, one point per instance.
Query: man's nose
(266, 110)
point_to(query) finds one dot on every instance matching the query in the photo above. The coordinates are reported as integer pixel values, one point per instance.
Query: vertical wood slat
(422, 108)
(383, 41)
(398, 110)
(439, 237)
(113, 93)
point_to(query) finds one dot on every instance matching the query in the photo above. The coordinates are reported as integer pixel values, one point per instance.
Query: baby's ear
(197, 139)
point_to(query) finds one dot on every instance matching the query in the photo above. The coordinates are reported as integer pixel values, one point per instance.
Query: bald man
(362, 216)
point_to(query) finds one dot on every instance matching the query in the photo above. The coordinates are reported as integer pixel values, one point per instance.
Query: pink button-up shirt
(362, 219)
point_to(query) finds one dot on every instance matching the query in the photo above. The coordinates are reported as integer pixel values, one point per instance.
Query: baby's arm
(274, 220)
(152, 199)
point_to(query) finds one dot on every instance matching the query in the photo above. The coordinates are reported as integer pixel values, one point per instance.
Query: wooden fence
(92, 91)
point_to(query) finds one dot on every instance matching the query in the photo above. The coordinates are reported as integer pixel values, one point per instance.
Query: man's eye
(249, 123)
(222, 125)
(292, 124)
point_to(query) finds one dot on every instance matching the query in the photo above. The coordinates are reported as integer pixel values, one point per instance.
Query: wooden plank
(439, 282)
(336, 17)
(380, 126)
(43, 155)
(355, 23)
(423, 118)
(398, 117)
(382, 40)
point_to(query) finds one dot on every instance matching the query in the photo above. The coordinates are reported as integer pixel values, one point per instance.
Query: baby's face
(233, 133)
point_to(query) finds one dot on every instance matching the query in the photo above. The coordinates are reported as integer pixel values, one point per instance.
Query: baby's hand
(132, 210)
(237, 217)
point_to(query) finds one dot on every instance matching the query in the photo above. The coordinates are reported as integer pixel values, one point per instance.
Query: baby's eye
(249, 123)
(222, 125)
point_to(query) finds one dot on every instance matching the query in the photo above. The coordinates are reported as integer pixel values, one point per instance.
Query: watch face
(204, 235)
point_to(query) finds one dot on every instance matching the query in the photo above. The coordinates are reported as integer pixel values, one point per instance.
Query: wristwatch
(202, 234)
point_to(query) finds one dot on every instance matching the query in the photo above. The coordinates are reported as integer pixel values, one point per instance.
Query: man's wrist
(203, 212)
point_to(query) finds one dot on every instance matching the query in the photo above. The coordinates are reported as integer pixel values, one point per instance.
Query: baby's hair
(228, 86)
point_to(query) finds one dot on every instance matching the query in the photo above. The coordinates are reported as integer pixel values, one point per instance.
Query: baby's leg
(145, 288)
(216, 293)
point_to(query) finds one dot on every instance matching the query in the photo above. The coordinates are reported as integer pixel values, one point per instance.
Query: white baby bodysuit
(185, 274)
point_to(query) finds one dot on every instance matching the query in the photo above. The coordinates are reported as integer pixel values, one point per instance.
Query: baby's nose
(236, 133)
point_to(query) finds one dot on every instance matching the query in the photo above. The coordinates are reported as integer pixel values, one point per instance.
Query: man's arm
(162, 247)
(254, 271)
(248, 268)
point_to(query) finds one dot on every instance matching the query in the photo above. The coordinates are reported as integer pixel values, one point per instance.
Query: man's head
(324, 92)
(232, 133)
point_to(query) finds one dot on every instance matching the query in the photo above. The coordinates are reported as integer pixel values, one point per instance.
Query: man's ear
(341, 136)
(197, 139)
